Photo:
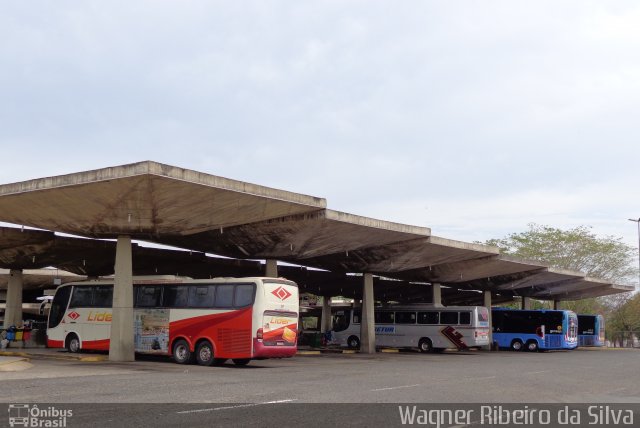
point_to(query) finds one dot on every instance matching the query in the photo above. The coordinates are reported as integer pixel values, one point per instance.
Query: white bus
(426, 327)
(204, 321)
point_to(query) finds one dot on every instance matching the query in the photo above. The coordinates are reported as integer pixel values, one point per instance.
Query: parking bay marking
(396, 387)
(239, 406)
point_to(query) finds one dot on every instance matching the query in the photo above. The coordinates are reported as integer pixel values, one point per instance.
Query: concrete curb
(48, 356)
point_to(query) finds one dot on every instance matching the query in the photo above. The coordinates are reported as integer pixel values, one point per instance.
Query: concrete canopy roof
(335, 241)
(40, 278)
(196, 211)
(144, 200)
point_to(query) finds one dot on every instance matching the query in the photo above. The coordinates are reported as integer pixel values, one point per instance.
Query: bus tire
(73, 343)
(532, 346)
(425, 345)
(353, 342)
(241, 361)
(181, 352)
(516, 345)
(204, 353)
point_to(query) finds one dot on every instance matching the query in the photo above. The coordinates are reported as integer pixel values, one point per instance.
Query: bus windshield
(341, 320)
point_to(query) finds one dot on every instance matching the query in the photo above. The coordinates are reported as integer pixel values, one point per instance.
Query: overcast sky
(472, 118)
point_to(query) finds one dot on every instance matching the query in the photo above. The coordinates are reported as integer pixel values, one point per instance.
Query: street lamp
(638, 222)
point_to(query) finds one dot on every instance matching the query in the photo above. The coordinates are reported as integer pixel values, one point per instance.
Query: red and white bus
(207, 321)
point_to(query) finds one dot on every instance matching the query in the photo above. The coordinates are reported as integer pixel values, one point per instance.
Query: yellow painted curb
(90, 358)
(349, 351)
(390, 351)
(13, 354)
(94, 358)
(308, 353)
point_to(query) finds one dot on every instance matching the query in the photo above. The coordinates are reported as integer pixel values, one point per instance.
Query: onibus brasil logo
(30, 415)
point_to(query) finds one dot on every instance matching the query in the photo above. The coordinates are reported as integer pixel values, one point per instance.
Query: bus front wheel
(181, 352)
(425, 345)
(353, 342)
(532, 346)
(204, 353)
(73, 343)
(516, 345)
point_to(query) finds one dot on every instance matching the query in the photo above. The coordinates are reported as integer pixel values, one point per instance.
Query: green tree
(623, 321)
(576, 249)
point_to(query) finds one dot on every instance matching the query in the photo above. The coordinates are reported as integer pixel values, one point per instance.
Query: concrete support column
(526, 303)
(121, 346)
(556, 304)
(367, 323)
(13, 311)
(487, 304)
(326, 315)
(271, 268)
(436, 294)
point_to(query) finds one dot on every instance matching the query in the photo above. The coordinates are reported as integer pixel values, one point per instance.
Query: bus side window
(82, 297)
(148, 296)
(448, 318)
(175, 296)
(356, 316)
(465, 318)
(405, 317)
(429, 317)
(103, 296)
(224, 296)
(202, 296)
(383, 317)
(243, 295)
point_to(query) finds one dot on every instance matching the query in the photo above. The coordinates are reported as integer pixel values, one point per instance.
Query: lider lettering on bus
(99, 316)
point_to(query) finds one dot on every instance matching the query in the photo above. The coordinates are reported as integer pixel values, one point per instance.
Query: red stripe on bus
(97, 345)
(230, 332)
(55, 343)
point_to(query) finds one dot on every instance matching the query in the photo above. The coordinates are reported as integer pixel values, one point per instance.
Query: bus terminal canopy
(196, 211)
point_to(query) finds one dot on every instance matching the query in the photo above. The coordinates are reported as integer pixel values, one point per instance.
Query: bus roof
(424, 306)
(172, 279)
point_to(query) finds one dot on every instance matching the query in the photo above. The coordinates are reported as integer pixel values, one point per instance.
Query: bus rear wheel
(73, 343)
(241, 361)
(532, 346)
(353, 342)
(516, 345)
(425, 345)
(181, 352)
(204, 353)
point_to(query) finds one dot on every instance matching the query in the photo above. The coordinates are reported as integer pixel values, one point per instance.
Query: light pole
(638, 222)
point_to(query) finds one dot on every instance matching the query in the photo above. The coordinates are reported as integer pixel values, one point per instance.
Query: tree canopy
(578, 249)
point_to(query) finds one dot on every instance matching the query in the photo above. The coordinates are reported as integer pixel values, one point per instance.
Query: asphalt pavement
(154, 391)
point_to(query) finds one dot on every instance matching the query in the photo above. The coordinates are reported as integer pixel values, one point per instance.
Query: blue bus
(590, 330)
(534, 330)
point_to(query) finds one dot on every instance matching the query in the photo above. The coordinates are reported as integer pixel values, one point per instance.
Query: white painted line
(396, 387)
(239, 406)
(541, 371)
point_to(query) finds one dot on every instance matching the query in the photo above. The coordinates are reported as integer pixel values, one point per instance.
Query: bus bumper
(260, 350)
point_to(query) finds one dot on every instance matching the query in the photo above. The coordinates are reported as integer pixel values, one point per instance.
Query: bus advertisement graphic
(151, 332)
